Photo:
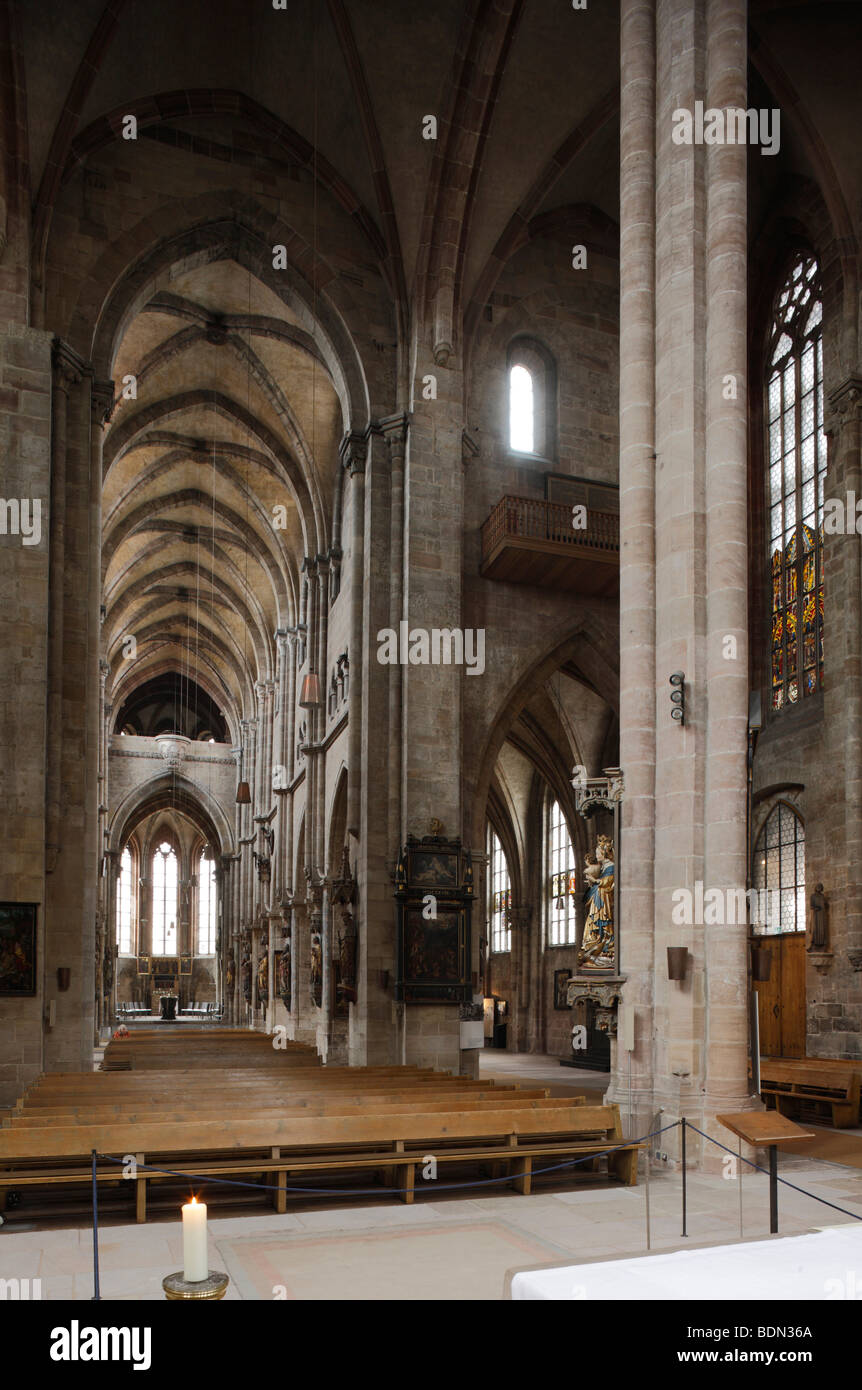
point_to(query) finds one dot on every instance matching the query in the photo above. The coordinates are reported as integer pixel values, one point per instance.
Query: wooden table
(766, 1129)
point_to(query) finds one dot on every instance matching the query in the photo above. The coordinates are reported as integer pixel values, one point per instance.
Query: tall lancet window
(164, 901)
(125, 899)
(522, 410)
(500, 896)
(561, 880)
(206, 905)
(797, 472)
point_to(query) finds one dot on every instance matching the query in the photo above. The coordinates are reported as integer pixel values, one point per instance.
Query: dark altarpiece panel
(434, 895)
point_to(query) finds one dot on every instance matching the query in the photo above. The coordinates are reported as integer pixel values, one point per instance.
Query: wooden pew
(328, 1135)
(789, 1086)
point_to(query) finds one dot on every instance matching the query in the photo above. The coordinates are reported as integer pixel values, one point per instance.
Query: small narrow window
(561, 880)
(124, 904)
(522, 410)
(206, 905)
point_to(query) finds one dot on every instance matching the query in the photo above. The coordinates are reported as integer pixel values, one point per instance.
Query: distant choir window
(561, 880)
(797, 472)
(522, 418)
(206, 906)
(125, 895)
(164, 901)
(779, 867)
(500, 896)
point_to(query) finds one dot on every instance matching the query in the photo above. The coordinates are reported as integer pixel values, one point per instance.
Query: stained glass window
(561, 880)
(164, 901)
(500, 895)
(796, 445)
(779, 868)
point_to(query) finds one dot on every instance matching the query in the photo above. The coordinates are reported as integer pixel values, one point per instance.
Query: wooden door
(781, 998)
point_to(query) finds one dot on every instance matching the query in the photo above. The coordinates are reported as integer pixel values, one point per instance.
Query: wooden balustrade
(530, 540)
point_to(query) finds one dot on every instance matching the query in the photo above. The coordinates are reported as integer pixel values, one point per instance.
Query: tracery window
(499, 897)
(206, 905)
(796, 447)
(164, 901)
(562, 880)
(125, 903)
(779, 867)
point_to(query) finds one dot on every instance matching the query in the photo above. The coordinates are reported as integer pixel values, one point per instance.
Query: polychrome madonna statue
(598, 947)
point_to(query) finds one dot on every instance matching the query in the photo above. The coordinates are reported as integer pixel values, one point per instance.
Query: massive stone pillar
(374, 1037)
(843, 697)
(683, 555)
(726, 510)
(637, 533)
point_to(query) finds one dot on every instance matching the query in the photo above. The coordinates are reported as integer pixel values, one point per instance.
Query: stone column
(726, 507)
(277, 762)
(637, 532)
(843, 696)
(319, 714)
(683, 554)
(353, 455)
(396, 433)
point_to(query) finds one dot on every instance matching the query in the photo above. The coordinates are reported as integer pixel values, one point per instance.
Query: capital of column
(69, 366)
(353, 451)
(102, 401)
(845, 405)
(394, 429)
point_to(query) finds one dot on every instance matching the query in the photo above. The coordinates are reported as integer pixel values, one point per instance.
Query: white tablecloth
(823, 1266)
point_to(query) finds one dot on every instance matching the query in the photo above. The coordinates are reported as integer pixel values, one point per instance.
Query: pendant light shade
(310, 694)
(243, 795)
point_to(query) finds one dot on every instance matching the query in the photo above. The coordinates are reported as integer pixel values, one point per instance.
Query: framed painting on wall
(435, 956)
(18, 949)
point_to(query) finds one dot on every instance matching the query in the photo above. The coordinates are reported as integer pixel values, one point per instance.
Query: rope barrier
(393, 1191)
(444, 1187)
(760, 1169)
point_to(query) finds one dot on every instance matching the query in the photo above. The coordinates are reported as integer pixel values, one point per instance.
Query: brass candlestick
(176, 1286)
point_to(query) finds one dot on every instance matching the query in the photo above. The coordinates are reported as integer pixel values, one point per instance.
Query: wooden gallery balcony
(527, 540)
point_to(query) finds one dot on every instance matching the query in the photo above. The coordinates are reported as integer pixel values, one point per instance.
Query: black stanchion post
(684, 1231)
(97, 1297)
(773, 1189)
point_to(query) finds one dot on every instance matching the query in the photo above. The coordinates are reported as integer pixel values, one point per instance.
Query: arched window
(779, 867)
(532, 398)
(522, 423)
(797, 470)
(561, 880)
(164, 901)
(125, 904)
(206, 905)
(499, 896)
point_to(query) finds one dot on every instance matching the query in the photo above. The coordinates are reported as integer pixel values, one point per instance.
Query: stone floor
(454, 1247)
(457, 1248)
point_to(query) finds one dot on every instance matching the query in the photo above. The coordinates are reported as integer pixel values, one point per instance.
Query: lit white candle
(195, 1263)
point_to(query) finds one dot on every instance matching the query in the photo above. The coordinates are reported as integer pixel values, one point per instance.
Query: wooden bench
(794, 1086)
(328, 1134)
